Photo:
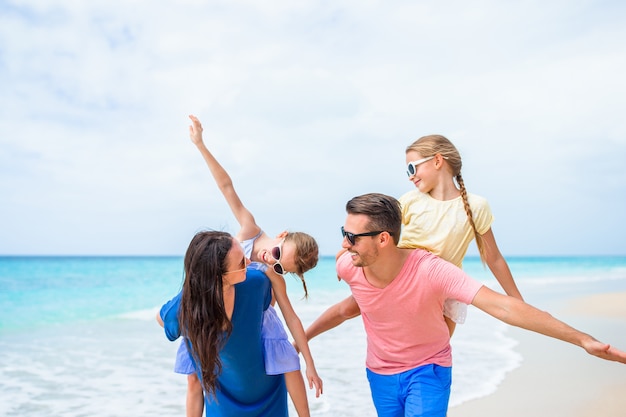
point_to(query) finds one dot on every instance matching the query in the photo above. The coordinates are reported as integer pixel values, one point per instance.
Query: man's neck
(387, 267)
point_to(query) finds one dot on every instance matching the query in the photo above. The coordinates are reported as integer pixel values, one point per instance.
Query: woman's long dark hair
(203, 317)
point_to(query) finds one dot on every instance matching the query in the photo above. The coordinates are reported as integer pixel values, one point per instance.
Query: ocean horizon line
(325, 256)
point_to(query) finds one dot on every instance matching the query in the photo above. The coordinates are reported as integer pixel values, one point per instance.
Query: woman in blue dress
(288, 252)
(219, 313)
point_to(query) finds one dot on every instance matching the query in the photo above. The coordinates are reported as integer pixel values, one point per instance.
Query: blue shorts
(420, 392)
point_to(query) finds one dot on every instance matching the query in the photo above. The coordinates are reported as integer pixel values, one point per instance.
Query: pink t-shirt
(404, 321)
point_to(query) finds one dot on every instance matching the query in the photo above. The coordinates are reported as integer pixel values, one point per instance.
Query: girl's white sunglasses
(412, 166)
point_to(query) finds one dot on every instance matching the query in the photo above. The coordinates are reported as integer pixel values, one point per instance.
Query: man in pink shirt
(400, 295)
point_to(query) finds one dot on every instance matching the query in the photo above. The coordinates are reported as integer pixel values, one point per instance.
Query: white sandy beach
(560, 379)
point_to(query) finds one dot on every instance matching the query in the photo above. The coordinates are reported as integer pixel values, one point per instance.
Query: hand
(195, 130)
(311, 376)
(604, 351)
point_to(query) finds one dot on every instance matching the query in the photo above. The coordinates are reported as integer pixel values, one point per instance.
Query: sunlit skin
(287, 259)
(433, 177)
(237, 263)
(364, 250)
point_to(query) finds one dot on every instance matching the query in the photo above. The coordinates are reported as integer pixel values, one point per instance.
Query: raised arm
(498, 266)
(246, 221)
(517, 313)
(294, 324)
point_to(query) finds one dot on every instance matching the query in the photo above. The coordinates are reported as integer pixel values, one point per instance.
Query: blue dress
(244, 389)
(280, 355)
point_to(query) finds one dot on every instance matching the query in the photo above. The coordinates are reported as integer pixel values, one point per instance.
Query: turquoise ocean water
(78, 335)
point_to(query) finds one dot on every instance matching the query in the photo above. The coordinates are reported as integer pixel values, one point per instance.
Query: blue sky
(306, 104)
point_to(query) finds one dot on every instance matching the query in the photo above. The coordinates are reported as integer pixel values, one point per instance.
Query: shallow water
(79, 336)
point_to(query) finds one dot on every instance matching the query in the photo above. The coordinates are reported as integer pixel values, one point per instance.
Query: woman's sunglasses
(277, 253)
(352, 236)
(411, 168)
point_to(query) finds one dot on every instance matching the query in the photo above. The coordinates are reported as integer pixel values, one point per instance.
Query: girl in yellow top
(442, 217)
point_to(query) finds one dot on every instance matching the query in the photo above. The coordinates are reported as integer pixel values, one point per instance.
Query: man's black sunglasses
(352, 236)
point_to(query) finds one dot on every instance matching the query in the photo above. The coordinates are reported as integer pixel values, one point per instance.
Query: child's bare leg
(297, 392)
(451, 325)
(195, 396)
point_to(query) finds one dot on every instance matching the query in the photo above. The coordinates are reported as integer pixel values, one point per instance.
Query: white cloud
(306, 104)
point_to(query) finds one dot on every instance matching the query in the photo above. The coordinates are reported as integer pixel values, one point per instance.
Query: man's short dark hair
(383, 211)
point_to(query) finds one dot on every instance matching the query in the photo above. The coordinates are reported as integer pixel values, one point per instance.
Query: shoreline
(557, 378)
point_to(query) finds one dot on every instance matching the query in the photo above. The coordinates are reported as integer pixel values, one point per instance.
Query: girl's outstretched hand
(314, 379)
(195, 130)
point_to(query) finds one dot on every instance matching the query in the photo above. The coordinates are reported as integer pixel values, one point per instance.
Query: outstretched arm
(498, 266)
(333, 317)
(245, 219)
(335, 314)
(517, 313)
(294, 324)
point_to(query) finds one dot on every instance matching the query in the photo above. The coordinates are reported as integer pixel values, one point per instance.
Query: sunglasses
(277, 253)
(411, 169)
(352, 236)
